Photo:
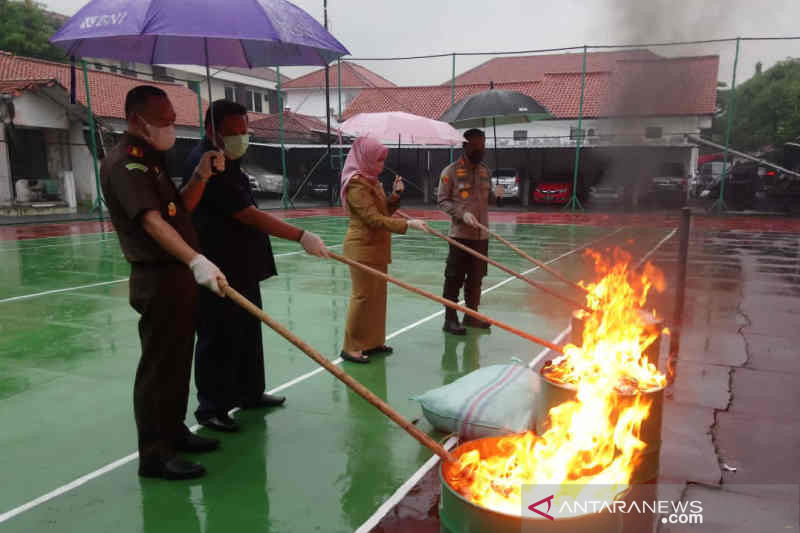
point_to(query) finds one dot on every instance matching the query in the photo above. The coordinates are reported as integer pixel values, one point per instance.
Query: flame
(591, 441)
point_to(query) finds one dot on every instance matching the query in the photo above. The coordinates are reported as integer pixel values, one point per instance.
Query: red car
(556, 190)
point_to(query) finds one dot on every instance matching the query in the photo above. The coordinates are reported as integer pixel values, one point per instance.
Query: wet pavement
(731, 421)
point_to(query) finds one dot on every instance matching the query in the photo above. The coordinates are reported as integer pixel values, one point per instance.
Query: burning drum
(458, 512)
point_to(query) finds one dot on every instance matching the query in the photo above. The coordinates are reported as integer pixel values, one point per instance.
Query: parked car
(706, 174)
(509, 179)
(668, 185)
(263, 181)
(556, 189)
(742, 181)
(607, 192)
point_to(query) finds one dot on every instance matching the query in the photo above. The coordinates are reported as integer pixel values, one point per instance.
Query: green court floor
(324, 462)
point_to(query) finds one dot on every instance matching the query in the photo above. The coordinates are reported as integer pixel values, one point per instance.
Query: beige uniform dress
(369, 241)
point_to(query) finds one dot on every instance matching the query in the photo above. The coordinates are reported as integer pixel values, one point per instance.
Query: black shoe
(219, 422)
(454, 327)
(382, 349)
(472, 322)
(191, 443)
(173, 469)
(266, 400)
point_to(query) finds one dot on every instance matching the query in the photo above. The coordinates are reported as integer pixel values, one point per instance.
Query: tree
(25, 29)
(767, 108)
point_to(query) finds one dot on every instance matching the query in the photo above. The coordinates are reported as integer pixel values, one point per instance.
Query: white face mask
(236, 145)
(161, 138)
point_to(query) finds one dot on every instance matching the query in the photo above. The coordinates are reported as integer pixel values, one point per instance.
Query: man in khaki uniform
(464, 194)
(156, 235)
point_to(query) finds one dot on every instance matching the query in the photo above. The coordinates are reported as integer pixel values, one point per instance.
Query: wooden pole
(341, 375)
(448, 303)
(536, 262)
(504, 268)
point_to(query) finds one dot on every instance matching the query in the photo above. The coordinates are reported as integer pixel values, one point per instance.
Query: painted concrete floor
(327, 460)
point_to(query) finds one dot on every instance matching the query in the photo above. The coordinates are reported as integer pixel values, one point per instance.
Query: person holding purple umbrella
(234, 233)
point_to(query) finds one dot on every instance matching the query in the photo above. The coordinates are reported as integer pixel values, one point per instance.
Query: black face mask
(475, 157)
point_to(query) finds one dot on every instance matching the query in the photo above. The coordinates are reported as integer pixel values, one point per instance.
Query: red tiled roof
(664, 87)
(679, 86)
(354, 76)
(108, 90)
(295, 125)
(17, 87)
(534, 68)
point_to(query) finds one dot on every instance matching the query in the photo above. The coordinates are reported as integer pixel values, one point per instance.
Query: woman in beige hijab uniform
(369, 241)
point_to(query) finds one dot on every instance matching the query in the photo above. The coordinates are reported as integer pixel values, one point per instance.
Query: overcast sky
(388, 28)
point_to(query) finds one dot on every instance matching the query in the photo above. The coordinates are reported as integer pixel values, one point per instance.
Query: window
(98, 66)
(160, 74)
(520, 135)
(229, 94)
(128, 68)
(248, 99)
(194, 86)
(574, 133)
(114, 68)
(590, 132)
(258, 102)
(653, 132)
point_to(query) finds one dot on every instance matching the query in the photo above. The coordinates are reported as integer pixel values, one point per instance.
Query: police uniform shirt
(242, 252)
(465, 188)
(134, 180)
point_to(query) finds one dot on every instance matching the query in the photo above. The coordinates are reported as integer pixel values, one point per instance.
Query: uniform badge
(171, 209)
(461, 172)
(465, 194)
(445, 179)
(135, 151)
(136, 166)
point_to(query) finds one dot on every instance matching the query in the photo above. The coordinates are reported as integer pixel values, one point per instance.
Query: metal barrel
(647, 461)
(459, 515)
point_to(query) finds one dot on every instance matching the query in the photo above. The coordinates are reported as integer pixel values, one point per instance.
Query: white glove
(207, 274)
(470, 220)
(417, 224)
(313, 245)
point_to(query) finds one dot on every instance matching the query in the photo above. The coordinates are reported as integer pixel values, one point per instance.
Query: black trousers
(229, 358)
(464, 269)
(164, 295)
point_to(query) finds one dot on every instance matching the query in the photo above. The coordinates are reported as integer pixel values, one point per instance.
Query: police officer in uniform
(157, 238)
(229, 358)
(464, 194)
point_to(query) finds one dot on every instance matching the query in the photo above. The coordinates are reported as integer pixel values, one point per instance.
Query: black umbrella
(494, 106)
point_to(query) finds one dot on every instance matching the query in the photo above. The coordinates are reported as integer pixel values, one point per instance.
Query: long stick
(536, 262)
(502, 267)
(340, 374)
(446, 302)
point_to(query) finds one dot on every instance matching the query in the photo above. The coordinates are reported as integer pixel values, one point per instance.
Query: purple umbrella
(229, 33)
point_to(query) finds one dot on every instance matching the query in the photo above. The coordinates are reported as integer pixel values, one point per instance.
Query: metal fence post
(93, 134)
(720, 205)
(680, 292)
(453, 97)
(574, 203)
(285, 195)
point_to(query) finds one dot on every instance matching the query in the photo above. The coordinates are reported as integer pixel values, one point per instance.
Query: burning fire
(594, 440)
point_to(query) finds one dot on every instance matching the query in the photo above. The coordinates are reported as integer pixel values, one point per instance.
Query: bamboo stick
(448, 303)
(502, 267)
(536, 262)
(340, 374)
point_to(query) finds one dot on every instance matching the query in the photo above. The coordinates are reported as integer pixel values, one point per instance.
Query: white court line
(406, 487)
(128, 458)
(100, 284)
(401, 492)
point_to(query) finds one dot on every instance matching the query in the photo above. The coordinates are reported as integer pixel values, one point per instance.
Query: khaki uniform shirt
(134, 180)
(464, 187)
(368, 238)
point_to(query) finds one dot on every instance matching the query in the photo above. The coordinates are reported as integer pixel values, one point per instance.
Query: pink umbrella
(403, 128)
